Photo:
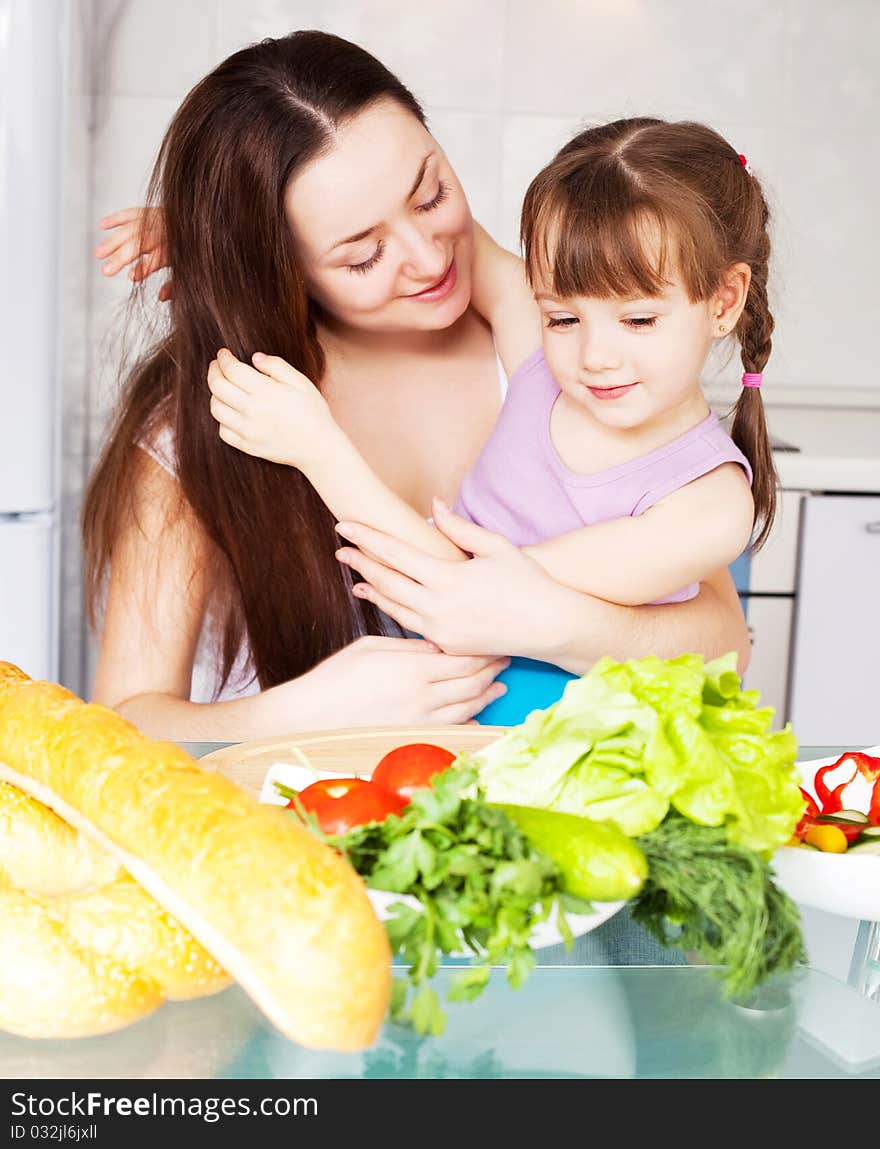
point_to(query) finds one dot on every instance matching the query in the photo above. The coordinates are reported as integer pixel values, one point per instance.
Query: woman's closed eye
(442, 193)
(640, 322)
(363, 268)
(561, 320)
(369, 264)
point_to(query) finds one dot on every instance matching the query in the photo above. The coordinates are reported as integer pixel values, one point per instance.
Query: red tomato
(411, 767)
(340, 803)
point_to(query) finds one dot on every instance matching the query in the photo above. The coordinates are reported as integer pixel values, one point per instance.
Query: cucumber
(870, 834)
(869, 847)
(596, 859)
(844, 818)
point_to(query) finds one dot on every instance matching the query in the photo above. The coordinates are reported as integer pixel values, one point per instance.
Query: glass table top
(604, 1010)
(566, 1021)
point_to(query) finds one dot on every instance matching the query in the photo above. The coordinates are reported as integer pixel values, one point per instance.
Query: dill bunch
(717, 899)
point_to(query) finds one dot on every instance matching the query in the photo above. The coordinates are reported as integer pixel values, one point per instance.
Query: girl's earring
(721, 329)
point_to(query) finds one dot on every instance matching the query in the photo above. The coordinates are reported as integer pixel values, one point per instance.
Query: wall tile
(833, 75)
(155, 47)
(449, 54)
(128, 134)
(473, 146)
(239, 24)
(599, 60)
(528, 142)
(826, 198)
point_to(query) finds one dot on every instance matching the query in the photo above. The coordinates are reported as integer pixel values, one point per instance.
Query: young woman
(307, 210)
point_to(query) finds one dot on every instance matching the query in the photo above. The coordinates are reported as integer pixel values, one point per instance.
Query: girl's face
(383, 227)
(630, 362)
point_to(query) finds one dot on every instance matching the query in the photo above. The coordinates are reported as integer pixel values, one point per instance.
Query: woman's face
(383, 227)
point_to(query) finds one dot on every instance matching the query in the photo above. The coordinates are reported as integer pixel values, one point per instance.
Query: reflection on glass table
(565, 1022)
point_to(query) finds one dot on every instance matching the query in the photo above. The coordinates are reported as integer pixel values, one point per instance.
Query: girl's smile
(605, 393)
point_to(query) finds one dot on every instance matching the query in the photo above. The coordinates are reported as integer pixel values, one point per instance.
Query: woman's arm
(274, 412)
(711, 624)
(501, 601)
(681, 539)
(156, 604)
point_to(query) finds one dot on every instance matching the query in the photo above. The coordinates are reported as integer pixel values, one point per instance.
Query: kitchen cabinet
(810, 595)
(767, 583)
(835, 686)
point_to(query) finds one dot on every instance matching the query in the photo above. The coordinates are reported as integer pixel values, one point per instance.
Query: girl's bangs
(615, 250)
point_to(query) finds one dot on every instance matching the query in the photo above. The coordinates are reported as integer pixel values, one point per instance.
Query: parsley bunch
(480, 883)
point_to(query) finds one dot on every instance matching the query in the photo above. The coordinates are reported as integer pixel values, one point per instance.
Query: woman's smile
(439, 290)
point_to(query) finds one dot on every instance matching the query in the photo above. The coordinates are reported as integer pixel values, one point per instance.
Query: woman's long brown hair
(584, 224)
(236, 141)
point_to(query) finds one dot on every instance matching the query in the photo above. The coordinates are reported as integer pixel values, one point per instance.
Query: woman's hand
(396, 681)
(501, 601)
(273, 412)
(476, 605)
(138, 239)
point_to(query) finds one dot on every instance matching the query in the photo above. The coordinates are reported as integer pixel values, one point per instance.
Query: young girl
(644, 242)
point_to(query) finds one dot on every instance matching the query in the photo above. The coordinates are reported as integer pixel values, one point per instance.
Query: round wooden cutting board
(352, 750)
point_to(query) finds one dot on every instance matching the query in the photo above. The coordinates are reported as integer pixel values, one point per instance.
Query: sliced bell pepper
(869, 768)
(810, 815)
(831, 801)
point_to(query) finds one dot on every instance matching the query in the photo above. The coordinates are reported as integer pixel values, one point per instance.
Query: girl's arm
(679, 540)
(501, 294)
(137, 238)
(276, 413)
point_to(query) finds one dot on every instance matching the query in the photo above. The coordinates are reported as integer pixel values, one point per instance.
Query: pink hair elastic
(752, 379)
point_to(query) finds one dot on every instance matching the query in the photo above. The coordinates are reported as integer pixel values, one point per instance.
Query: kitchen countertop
(839, 447)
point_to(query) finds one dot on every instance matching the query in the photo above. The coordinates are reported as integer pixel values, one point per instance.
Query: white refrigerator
(33, 59)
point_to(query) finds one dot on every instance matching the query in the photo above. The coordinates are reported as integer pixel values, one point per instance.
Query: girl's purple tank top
(520, 488)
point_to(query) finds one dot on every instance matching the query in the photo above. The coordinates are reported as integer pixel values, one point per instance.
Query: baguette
(52, 987)
(282, 912)
(41, 854)
(83, 948)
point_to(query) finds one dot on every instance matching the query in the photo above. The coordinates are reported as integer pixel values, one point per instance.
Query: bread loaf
(52, 987)
(42, 854)
(281, 911)
(83, 948)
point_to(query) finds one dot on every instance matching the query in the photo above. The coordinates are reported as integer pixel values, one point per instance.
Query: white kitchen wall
(792, 83)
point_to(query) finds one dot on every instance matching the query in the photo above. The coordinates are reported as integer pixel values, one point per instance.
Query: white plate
(843, 884)
(297, 777)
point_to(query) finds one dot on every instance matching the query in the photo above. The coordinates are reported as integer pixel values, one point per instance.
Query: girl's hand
(395, 681)
(273, 412)
(138, 239)
(500, 600)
